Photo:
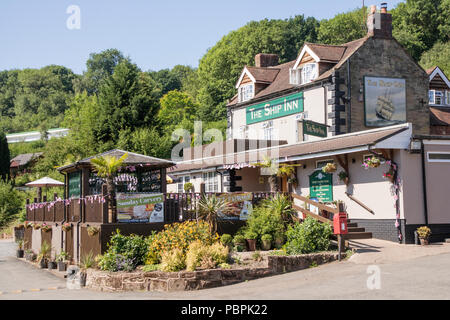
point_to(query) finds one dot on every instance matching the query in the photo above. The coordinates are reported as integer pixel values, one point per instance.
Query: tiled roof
(354, 140)
(327, 52)
(23, 159)
(132, 159)
(430, 71)
(440, 116)
(266, 75)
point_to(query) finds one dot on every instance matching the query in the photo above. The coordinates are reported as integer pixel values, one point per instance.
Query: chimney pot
(379, 24)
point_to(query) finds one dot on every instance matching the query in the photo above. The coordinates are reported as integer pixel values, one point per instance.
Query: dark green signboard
(275, 108)
(314, 129)
(321, 186)
(74, 184)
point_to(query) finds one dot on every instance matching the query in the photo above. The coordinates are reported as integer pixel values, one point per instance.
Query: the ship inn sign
(275, 108)
(384, 101)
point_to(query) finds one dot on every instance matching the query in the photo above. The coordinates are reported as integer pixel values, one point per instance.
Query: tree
(10, 203)
(439, 56)
(4, 157)
(343, 27)
(175, 107)
(107, 168)
(145, 141)
(210, 209)
(222, 64)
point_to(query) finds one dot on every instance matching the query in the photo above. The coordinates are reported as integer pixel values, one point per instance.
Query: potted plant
(239, 242)
(266, 241)
(36, 226)
(45, 227)
(43, 255)
(279, 240)
(92, 231)
(250, 238)
(88, 261)
(61, 260)
(66, 227)
(226, 240)
(424, 235)
(343, 176)
(329, 167)
(188, 187)
(372, 162)
(20, 244)
(51, 264)
(29, 255)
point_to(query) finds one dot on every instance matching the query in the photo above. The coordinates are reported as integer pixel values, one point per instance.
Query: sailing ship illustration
(385, 108)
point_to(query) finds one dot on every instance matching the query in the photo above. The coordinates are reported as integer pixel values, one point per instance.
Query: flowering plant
(66, 226)
(36, 226)
(92, 231)
(329, 167)
(45, 227)
(372, 162)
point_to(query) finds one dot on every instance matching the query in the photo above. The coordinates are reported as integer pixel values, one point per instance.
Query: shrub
(124, 253)
(264, 220)
(309, 236)
(173, 260)
(251, 235)
(226, 239)
(424, 232)
(266, 237)
(238, 239)
(178, 236)
(205, 257)
(10, 203)
(151, 267)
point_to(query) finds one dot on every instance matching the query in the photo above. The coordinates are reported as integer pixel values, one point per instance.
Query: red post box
(340, 223)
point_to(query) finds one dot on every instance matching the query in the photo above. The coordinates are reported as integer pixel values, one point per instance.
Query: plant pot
(62, 266)
(83, 277)
(19, 253)
(251, 244)
(43, 264)
(266, 244)
(51, 265)
(424, 242)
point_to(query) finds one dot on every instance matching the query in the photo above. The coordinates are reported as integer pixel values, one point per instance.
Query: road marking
(52, 288)
(17, 291)
(35, 290)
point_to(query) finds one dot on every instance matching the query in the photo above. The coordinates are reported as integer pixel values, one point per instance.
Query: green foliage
(44, 253)
(178, 236)
(172, 261)
(176, 106)
(108, 166)
(205, 257)
(11, 203)
(124, 253)
(221, 66)
(226, 239)
(87, 261)
(210, 208)
(438, 55)
(4, 157)
(151, 267)
(238, 239)
(343, 27)
(307, 237)
(266, 237)
(145, 141)
(250, 235)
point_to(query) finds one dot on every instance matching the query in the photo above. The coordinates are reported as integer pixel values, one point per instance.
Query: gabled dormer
(254, 79)
(439, 91)
(314, 60)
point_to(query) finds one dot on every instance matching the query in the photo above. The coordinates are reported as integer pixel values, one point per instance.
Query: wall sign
(384, 101)
(140, 207)
(241, 205)
(276, 108)
(321, 186)
(74, 184)
(314, 129)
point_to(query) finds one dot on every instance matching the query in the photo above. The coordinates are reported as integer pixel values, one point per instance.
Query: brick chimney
(379, 24)
(266, 60)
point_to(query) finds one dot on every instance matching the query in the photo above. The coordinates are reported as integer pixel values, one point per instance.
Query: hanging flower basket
(66, 227)
(36, 226)
(343, 176)
(46, 228)
(330, 167)
(92, 231)
(27, 224)
(389, 175)
(373, 162)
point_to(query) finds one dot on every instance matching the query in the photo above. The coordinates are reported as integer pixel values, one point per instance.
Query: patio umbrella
(44, 182)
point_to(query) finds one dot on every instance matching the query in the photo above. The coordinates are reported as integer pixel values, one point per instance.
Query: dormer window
(439, 97)
(309, 72)
(246, 92)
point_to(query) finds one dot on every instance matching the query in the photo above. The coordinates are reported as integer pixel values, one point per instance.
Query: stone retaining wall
(186, 280)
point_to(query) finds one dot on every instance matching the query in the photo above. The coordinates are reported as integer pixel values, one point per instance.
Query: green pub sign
(74, 184)
(321, 186)
(314, 129)
(275, 108)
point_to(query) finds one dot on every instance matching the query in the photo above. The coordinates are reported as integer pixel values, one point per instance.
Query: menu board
(240, 205)
(140, 207)
(321, 186)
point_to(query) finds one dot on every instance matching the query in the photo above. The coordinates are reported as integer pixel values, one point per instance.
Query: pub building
(341, 104)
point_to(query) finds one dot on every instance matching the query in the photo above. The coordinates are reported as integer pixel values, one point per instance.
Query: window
(268, 130)
(246, 92)
(211, 182)
(438, 97)
(181, 182)
(294, 76)
(322, 163)
(431, 96)
(309, 72)
(438, 156)
(447, 97)
(243, 132)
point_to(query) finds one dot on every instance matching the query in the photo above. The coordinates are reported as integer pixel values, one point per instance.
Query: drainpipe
(424, 184)
(349, 97)
(81, 215)
(65, 210)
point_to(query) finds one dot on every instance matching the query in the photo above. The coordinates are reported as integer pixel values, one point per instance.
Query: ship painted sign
(384, 101)
(275, 108)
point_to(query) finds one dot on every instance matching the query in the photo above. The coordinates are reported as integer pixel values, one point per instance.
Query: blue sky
(155, 34)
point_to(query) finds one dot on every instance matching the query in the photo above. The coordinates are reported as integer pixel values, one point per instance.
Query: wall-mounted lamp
(353, 160)
(304, 166)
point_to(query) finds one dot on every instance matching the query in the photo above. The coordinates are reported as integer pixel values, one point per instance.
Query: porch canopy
(139, 173)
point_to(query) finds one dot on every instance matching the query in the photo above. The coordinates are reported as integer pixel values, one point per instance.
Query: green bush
(151, 267)
(172, 261)
(266, 237)
(11, 203)
(226, 239)
(309, 236)
(124, 253)
(205, 257)
(264, 220)
(238, 239)
(251, 235)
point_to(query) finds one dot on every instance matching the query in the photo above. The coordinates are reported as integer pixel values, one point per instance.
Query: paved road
(424, 276)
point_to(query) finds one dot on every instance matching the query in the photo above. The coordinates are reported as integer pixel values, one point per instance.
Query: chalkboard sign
(321, 186)
(74, 184)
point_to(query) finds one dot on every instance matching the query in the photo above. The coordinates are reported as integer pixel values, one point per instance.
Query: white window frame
(309, 73)
(211, 181)
(437, 160)
(431, 96)
(268, 130)
(295, 76)
(439, 94)
(447, 97)
(246, 92)
(184, 180)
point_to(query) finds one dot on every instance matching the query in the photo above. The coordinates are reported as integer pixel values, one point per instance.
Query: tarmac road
(412, 273)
